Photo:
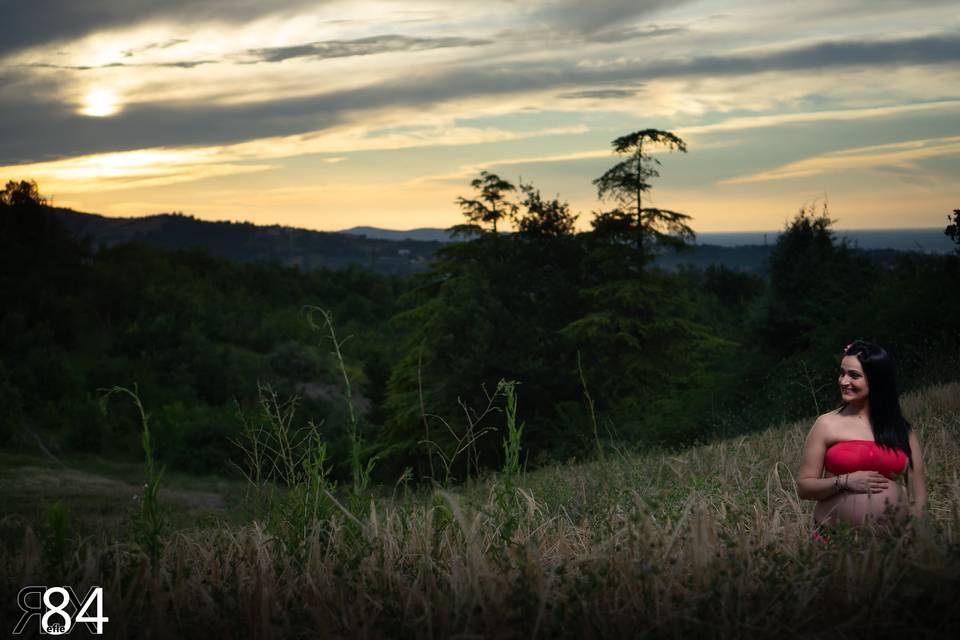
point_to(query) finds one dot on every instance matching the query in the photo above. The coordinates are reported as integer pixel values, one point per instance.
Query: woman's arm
(918, 483)
(810, 483)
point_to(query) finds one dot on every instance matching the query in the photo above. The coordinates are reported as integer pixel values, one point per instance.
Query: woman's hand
(865, 482)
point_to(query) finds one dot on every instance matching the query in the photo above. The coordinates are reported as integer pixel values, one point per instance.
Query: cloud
(886, 157)
(613, 34)
(591, 18)
(166, 44)
(39, 22)
(55, 128)
(388, 43)
(929, 49)
(133, 169)
(778, 120)
(599, 94)
(468, 170)
(180, 64)
(165, 165)
(359, 47)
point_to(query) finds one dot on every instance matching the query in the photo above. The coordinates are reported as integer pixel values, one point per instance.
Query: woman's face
(853, 384)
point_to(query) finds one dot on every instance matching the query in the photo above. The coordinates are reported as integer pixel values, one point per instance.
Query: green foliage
(551, 218)
(673, 354)
(295, 361)
(197, 332)
(522, 307)
(809, 274)
(196, 437)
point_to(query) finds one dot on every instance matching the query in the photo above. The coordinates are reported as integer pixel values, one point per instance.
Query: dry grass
(712, 541)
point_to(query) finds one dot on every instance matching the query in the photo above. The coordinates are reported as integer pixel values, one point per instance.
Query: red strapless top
(864, 455)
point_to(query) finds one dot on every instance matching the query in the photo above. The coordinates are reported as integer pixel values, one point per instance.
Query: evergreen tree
(489, 309)
(626, 182)
(809, 273)
(490, 206)
(544, 218)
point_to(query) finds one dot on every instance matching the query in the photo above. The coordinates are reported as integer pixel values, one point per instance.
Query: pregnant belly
(856, 508)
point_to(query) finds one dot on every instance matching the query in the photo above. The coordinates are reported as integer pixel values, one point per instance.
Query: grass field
(711, 541)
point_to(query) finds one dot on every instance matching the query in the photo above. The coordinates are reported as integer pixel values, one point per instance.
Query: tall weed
(151, 521)
(360, 472)
(287, 469)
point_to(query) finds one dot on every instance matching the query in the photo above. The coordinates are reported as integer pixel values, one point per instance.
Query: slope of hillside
(710, 542)
(246, 242)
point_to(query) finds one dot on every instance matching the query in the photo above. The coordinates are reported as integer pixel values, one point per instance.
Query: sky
(327, 114)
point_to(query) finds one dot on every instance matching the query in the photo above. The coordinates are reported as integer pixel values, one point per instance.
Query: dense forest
(606, 348)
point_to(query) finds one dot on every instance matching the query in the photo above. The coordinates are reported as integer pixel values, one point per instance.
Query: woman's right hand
(866, 482)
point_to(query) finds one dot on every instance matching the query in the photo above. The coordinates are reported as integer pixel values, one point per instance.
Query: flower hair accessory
(847, 348)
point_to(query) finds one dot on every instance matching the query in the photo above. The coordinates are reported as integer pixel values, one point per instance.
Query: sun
(100, 103)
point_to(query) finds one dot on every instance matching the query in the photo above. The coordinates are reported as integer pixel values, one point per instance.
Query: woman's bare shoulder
(830, 417)
(825, 423)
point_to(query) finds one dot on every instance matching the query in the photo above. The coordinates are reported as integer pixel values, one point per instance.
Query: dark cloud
(359, 47)
(180, 64)
(65, 133)
(599, 15)
(934, 49)
(166, 44)
(315, 50)
(613, 35)
(599, 94)
(33, 126)
(28, 23)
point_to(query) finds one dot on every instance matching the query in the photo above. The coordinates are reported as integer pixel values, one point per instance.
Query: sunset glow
(380, 113)
(100, 103)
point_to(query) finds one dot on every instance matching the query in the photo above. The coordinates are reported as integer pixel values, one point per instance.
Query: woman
(854, 456)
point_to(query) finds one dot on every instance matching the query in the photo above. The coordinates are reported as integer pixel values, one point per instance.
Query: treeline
(607, 349)
(196, 334)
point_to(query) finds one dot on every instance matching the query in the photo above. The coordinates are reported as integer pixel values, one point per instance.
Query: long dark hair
(890, 428)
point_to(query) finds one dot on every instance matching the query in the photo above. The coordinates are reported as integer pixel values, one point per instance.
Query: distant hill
(247, 242)
(424, 233)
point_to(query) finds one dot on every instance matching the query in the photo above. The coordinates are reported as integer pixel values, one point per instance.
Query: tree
(489, 207)
(953, 229)
(627, 181)
(25, 193)
(544, 218)
(809, 274)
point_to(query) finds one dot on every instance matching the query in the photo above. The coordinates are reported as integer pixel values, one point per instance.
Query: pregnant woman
(855, 457)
